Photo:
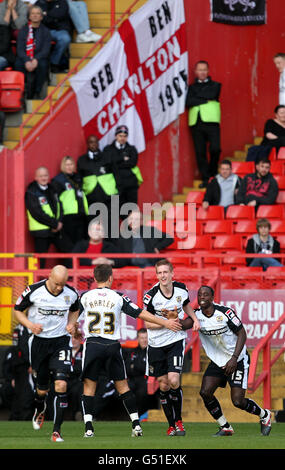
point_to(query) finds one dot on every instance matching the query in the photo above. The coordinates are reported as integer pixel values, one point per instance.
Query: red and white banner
(139, 78)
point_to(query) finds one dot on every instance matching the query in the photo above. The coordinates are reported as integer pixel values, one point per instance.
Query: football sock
(222, 422)
(60, 403)
(253, 408)
(214, 408)
(166, 404)
(87, 409)
(176, 397)
(39, 402)
(130, 404)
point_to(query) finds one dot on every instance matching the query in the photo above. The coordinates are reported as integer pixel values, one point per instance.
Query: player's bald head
(59, 273)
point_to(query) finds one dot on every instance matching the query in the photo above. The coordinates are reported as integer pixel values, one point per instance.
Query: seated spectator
(79, 15)
(223, 188)
(139, 238)
(68, 185)
(258, 188)
(13, 13)
(2, 126)
(274, 130)
(124, 158)
(279, 61)
(7, 57)
(135, 360)
(263, 242)
(56, 19)
(33, 49)
(97, 243)
(44, 213)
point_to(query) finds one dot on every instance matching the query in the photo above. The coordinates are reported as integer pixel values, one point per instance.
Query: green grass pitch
(117, 435)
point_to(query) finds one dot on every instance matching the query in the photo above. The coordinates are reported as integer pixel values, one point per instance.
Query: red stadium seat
(12, 85)
(245, 227)
(240, 212)
(218, 226)
(243, 168)
(270, 212)
(280, 197)
(280, 181)
(277, 168)
(281, 154)
(277, 227)
(213, 213)
(281, 240)
(227, 242)
(195, 196)
(272, 156)
(203, 242)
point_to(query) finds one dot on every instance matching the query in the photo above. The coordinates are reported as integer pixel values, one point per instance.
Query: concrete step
(74, 62)
(104, 5)
(101, 21)
(13, 133)
(240, 154)
(59, 92)
(179, 198)
(33, 121)
(257, 140)
(11, 144)
(80, 50)
(33, 104)
(196, 184)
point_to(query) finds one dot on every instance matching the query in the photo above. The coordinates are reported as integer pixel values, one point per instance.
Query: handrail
(98, 44)
(265, 376)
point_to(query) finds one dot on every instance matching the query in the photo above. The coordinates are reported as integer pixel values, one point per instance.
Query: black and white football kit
(218, 334)
(101, 309)
(49, 350)
(165, 347)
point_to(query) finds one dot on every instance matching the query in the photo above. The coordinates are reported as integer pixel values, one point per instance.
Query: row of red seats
(12, 85)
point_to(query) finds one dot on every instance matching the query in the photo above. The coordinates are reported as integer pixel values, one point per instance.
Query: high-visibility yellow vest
(136, 171)
(69, 202)
(209, 112)
(34, 225)
(107, 183)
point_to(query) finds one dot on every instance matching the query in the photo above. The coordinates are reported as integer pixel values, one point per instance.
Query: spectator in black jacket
(7, 58)
(138, 238)
(33, 49)
(56, 19)
(44, 213)
(274, 129)
(223, 188)
(135, 360)
(258, 188)
(204, 120)
(262, 242)
(124, 158)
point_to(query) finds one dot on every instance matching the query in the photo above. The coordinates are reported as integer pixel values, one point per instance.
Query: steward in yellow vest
(204, 120)
(68, 186)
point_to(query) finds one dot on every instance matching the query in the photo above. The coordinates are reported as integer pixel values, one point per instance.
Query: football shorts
(238, 378)
(165, 359)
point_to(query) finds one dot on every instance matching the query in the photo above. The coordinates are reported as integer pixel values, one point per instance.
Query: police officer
(68, 186)
(44, 213)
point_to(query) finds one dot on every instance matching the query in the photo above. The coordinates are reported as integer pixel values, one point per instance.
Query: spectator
(44, 213)
(124, 158)
(33, 49)
(274, 129)
(279, 60)
(135, 360)
(223, 188)
(259, 187)
(96, 244)
(139, 238)
(56, 18)
(204, 120)
(68, 185)
(2, 126)
(75, 385)
(262, 242)
(13, 13)
(7, 58)
(79, 15)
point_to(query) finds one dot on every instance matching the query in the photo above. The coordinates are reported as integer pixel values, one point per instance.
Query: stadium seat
(272, 155)
(218, 226)
(203, 242)
(277, 227)
(12, 85)
(277, 168)
(280, 197)
(281, 154)
(244, 227)
(227, 242)
(213, 213)
(243, 168)
(281, 240)
(270, 212)
(281, 181)
(181, 212)
(240, 212)
(195, 196)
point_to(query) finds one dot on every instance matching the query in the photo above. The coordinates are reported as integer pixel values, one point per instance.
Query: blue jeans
(265, 262)
(4, 62)
(62, 39)
(79, 15)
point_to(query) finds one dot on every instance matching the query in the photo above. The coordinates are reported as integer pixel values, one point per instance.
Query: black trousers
(207, 135)
(60, 240)
(34, 80)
